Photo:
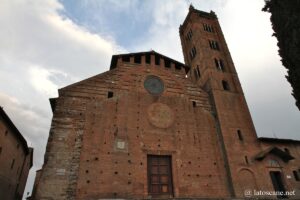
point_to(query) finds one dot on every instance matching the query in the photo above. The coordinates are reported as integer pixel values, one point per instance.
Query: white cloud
(39, 78)
(163, 35)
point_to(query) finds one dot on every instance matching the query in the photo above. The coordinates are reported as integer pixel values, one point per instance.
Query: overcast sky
(46, 45)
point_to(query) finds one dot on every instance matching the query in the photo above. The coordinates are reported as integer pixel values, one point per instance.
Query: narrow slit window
(225, 85)
(246, 160)
(240, 136)
(110, 94)
(296, 176)
(194, 104)
(0, 150)
(12, 164)
(198, 70)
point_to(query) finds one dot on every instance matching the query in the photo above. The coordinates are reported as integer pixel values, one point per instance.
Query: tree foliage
(285, 18)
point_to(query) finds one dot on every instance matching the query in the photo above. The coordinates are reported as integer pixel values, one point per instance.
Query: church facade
(152, 127)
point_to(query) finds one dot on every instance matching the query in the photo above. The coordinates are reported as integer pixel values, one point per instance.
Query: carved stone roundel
(154, 85)
(160, 115)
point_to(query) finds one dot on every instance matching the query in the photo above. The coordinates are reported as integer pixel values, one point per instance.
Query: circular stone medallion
(154, 85)
(160, 115)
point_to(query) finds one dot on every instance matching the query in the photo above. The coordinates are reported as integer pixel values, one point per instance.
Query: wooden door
(276, 178)
(160, 176)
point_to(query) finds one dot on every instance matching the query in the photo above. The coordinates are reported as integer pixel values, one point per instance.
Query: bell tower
(211, 68)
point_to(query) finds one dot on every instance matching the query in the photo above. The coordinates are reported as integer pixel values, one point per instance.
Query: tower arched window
(225, 85)
(219, 64)
(193, 52)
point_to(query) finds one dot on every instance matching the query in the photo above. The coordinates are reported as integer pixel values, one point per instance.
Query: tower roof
(209, 15)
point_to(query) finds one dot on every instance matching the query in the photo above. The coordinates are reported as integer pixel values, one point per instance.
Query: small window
(0, 150)
(126, 58)
(296, 176)
(12, 164)
(274, 163)
(167, 63)
(246, 160)
(240, 136)
(6, 132)
(157, 60)
(110, 94)
(225, 85)
(148, 58)
(194, 103)
(177, 66)
(137, 59)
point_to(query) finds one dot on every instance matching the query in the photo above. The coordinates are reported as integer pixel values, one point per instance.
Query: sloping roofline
(267, 139)
(14, 130)
(114, 58)
(276, 151)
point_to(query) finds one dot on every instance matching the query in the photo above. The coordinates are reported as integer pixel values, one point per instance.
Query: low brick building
(15, 159)
(152, 127)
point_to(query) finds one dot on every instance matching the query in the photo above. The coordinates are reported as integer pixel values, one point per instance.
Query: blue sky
(46, 45)
(110, 19)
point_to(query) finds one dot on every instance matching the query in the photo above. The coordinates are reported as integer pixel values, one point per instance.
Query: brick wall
(13, 163)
